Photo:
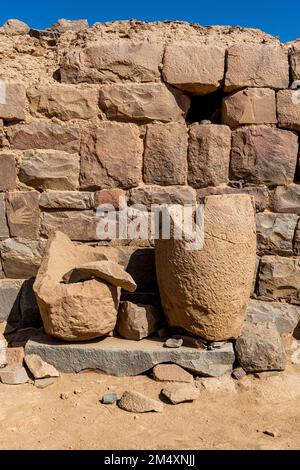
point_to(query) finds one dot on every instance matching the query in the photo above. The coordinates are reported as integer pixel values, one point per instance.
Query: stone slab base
(121, 357)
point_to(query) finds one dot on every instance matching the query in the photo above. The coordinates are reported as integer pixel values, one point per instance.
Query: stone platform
(121, 357)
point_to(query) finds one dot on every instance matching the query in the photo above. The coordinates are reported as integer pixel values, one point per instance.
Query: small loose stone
(109, 398)
(173, 343)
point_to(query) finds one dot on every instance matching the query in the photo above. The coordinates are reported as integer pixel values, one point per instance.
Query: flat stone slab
(122, 357)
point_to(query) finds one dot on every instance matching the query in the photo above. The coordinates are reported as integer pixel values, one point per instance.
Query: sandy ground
(31, 418)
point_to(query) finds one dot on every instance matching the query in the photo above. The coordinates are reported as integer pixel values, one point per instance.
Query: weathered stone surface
(3, 351)
(9, 299)
(64, 102)
(136, 322)
(67, 200)
(148, 195)
(288, 109)
(135, 402)
(23, 214)
(29, 308)
(275, 233)
(173, 343)
(4, 232)
(21, 258)
(121, 357)
(62, 25)
(15, 355)
(15, 27)
(111, 198)
(73, 312)
(250, 106)
(50, 170)
(111, 156)
(286, 199)
(284, 316)
(171, 373)
(215, 385)
(279, 277)
(179, 393)
(14, 374)
(208, 155)
(165, 155)
(295, 60)
(112, 61)
(297, 239)
(12, 101)
(39, 368)
(45, 135)
(43, 383)
(259, 348)
(238, 373)
(77, 225)
(260, 194)
(264, 155)
(206, 291)
(195, 68)
(8, 173)
(143, 102)
(256, 65)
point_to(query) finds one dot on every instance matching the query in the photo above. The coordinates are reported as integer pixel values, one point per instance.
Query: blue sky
(275, 17)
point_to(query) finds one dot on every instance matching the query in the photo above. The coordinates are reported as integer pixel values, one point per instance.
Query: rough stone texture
(295, 60)
(171, 373)
(21, 258)
(9, 299)
(29, 309)
(260, 194)
(64, 102)
(135, 402)
(286, 199)
(50, 170)
(122, 357)
(165, 155)
(284, 316)
(43, 383)
(297, 239)
(259, 348)
(111, 156)
(250, 106)
(143, 102)
(179, 393)
(214, 385)
(109, 197)
(256, 66)
(67, 200)
(45, 135)
(39, 368)
(112, 61)
(77, 225)
(156, 195)
(275, 233)
(8, 173)
(23, 214)
(264, 155)
(208, 155)
(14, 374)
(4, 232)
(15, 355)
(12, 101)
(206, 291)
(62, 25)
(15, 27)
(288, 108)
(194, 68)
(137, 321)
(279, 277)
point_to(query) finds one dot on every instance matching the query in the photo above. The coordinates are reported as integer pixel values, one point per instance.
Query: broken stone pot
(83, 310)
(206, 290)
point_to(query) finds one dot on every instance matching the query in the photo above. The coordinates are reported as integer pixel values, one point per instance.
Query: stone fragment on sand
(171, 373)
(109, 398)
(173, 343)
(179, 392)
(14, 374)
(39, 368)
(136, 402)
(43, 383)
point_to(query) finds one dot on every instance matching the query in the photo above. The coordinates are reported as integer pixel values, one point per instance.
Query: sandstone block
(111, 156)
(39, 368)
(264, 155)
(14, 374)
(195, 68)
(284, 316)
(171, 373)
(4, 232)
(135, 402)
(21, 258)
(249, 106)
(15, 27)
(15, 355)
(45, 135)
(208, 155)
(10, 290)
(257, 65)
(67, 200)
(288, 109)
(295, 60)
(279, 277)
(62, 25)
(12, 101)
(148, 195)
(260, 194)
(7, 172)
(286, 199)
(136, 322)
(109, 197)
(50, 170)
(165, 154)
(23, 214)
(77, 225)
(113, 61)
(64, 102)
(275, 233)
(179, 393)
(143, 102)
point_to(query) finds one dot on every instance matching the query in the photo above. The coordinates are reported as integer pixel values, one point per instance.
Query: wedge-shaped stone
(113, 61)
(67, 200)
(135, 402)
(143, 102)
(64, 102)
(275, 233)
(50, 170)
(77, 225)
(195, 68)
(179, 393)
(284, 316)
(264, 155)
(286, 199)
(8, 172)
(21, 258)
(279, 277)
(171, 373)
(39, 368)
(288, 108)
(257, 65)
(12, 101)
(23, 214)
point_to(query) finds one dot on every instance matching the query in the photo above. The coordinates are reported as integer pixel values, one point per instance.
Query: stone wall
(89, 114)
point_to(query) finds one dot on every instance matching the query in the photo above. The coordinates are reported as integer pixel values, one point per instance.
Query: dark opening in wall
(206, 107)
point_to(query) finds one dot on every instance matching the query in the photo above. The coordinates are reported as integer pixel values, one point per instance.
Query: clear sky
(275, 17)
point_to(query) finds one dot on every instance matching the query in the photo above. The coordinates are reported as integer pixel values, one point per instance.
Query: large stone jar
(206, 291)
